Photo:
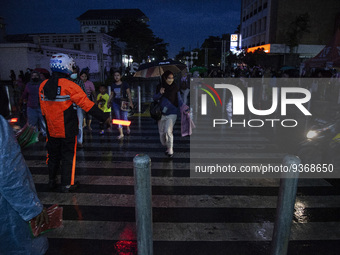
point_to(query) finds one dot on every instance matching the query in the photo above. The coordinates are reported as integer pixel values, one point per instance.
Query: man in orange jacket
(58, 99)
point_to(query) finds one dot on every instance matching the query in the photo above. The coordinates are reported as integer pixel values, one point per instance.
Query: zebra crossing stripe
(182, 232)
(202, 212)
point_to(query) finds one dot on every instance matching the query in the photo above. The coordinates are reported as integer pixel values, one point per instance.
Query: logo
(204, 98)
(295, 96)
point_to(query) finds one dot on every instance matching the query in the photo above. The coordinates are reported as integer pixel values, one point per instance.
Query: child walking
(102, 100)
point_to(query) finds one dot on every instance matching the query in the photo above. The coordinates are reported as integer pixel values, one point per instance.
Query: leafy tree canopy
(254, 58)
(140, 40)
(296, 29)
(213, 45)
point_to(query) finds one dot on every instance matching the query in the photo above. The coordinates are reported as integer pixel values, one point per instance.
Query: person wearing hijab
(167, 92)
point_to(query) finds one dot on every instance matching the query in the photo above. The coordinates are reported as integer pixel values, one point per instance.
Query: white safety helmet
(62, 63)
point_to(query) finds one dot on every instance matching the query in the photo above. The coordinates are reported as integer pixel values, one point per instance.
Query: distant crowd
(266, 72)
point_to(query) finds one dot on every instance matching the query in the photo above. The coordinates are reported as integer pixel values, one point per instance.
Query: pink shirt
(89, 87)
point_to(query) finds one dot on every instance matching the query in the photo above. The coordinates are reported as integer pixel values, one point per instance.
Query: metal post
(142, 173)
(187, 63)
(308, 108)
(224, 101)
(109, 92)
(139, 99)
(195, 97)
(9, 100)
(206, 56)
(223, 53)
(285, 208)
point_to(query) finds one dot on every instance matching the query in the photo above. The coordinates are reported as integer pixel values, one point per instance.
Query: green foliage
(231, 58)
(254, 58)
(213, 44)
(182, 54)
(140, 40)
(296, 29)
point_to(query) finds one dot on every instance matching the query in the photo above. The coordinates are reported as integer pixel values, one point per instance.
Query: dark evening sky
(179, 23)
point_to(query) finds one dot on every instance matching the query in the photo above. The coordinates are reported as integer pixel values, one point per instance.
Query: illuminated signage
(266, 48)
(234, 42)
(234, 38)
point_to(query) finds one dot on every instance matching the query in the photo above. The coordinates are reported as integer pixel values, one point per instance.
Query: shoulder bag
(155, 110)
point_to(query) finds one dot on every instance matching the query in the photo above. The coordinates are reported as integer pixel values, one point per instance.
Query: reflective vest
(61, 113)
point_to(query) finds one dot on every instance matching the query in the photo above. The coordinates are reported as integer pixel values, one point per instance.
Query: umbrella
(157, 68)
(284, 68)
(42, 70)
(199, 69)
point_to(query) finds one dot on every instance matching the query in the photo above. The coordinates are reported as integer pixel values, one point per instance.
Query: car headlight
(312, 134)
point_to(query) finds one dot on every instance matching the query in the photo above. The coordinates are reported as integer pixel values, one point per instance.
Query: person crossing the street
(58, 100)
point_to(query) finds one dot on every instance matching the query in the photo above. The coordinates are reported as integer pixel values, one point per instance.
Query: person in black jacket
(170, 100)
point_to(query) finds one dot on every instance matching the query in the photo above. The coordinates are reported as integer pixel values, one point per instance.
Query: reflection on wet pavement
(300, 213)
(190, 215)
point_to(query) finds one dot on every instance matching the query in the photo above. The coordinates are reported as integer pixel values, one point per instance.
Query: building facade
(267, 22)
(104, 21)
(102, 45)
(2, 30)
(20, 56)
(91, 48)
(96, 51)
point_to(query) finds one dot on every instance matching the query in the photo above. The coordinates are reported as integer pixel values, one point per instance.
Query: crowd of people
(51, 108)
(57, 106)
(24, 99)
(328, 91)
(61, 105)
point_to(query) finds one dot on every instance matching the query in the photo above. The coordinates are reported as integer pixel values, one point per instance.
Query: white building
(19, 56)
(107, 55)
(104, 21)
(92, 50)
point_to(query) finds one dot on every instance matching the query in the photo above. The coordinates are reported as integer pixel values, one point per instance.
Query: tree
(231, 59)
(254, 58)
(214, 46)
(181, 56)
(238, 29)
(296, 29)
(140, 40)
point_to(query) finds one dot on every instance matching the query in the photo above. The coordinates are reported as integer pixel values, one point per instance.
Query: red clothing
(60, 113)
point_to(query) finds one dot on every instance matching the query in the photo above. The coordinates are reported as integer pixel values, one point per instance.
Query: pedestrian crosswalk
(190, 215)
